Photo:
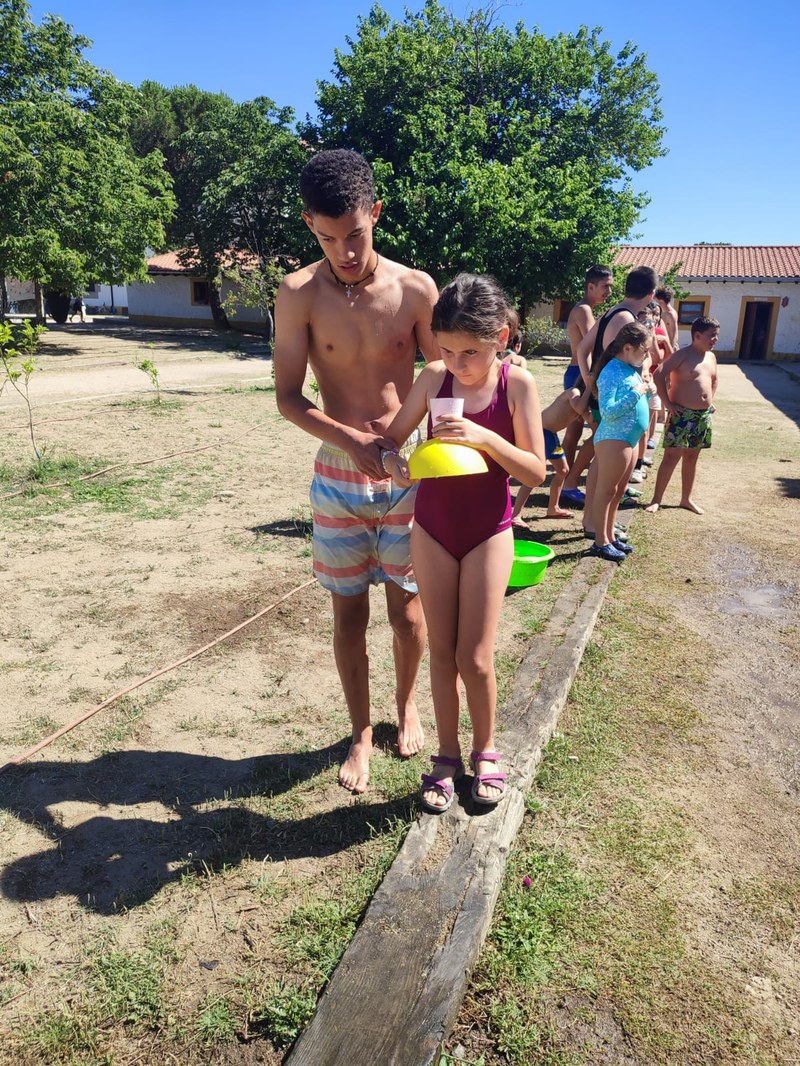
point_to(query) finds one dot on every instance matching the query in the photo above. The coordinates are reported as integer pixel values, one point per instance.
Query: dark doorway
(755, 330)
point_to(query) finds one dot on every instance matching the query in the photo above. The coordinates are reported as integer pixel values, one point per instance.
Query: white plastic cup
(441, 406)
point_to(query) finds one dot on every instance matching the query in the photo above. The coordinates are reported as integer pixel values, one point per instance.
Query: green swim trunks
(689, 429)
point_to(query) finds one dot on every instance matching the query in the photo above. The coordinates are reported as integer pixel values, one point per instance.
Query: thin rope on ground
(150, 677)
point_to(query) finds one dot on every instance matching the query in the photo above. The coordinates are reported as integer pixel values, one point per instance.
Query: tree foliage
(499, 150)
(76, 204)
(235, 169)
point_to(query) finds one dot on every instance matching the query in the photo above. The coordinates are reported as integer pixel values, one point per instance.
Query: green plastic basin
(530, 563)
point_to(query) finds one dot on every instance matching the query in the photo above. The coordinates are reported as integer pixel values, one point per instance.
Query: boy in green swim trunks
(686, 382)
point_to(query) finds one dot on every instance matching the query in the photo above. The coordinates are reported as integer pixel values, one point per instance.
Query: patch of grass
(50, 468)
(243, 390)
(33, 730)
(216, 1023)
(128, 987)
(774, 903)
(63, 1036)
(282, 1011)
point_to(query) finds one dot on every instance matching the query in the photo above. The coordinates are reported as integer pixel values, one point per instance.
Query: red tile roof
(180, 262)
(736, 261)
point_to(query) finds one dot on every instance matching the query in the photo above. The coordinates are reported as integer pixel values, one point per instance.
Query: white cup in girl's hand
(441, 406)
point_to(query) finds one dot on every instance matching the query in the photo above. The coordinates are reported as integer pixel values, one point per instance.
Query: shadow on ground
(114, 861)
(778, 386)
(234, 343)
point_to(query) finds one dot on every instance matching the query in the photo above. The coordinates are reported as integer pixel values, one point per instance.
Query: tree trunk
(38, 295)
(3, 298)
(217, 310)
(269, 325)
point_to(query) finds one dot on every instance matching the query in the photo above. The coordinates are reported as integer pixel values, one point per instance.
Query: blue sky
(728, 76)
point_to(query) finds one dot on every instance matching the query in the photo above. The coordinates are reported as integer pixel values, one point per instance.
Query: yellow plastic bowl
(438, 458)
(530, 563)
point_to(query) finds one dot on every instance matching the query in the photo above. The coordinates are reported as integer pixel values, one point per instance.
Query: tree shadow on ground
(236, 344)
(790, 487)
(114, 861)
(780, 387)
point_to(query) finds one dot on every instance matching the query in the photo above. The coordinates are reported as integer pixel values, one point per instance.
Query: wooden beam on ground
(396, 992)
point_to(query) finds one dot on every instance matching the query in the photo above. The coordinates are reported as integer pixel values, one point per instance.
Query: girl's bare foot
(442, 772)
(560, 512)
(354, 771)
(652, 508)
(519, 522)
(410, 736)
(690, 505)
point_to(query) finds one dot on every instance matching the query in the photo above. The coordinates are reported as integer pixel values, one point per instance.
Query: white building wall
(105, 297)
(725, 305)
(168, 299)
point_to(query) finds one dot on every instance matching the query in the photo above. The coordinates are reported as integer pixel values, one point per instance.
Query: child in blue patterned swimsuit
(625, 414)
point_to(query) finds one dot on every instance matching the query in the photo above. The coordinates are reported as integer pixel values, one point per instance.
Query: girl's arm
(407, 419)
(415, 405)
(524, 458)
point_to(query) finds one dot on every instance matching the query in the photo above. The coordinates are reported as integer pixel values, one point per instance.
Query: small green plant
(18, 345)
(284, 1011)
(147, 366)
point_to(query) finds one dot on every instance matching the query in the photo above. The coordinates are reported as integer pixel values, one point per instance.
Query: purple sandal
(497, 779)
(442, 788)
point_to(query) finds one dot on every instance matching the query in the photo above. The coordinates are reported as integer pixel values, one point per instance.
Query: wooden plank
(396, 992)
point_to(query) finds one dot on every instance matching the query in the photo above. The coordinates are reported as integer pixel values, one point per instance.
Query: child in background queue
(462, 544)
(557, 416)
(624, 416)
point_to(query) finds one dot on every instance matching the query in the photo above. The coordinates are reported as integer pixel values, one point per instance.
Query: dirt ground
(205, 804)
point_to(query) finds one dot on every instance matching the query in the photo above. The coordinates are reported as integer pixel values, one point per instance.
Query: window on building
(561, 311)
(689, 310)
(200, 293)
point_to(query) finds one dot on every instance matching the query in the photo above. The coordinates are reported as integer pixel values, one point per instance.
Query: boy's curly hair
(336, 182)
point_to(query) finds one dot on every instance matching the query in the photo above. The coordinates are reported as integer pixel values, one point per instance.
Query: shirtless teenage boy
(356, 319)
(669, 316)
(686, 383)
(599, 283)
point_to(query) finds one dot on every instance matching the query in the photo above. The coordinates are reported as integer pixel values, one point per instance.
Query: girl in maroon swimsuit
(462, 544)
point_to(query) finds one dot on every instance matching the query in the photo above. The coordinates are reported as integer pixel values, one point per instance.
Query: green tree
(235, 169)
(76, 204)
(499, 150)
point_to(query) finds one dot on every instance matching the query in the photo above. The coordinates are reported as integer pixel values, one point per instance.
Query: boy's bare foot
(690, 505)
(410, 736)
(354, 771)
(560, 512)
(519, 522)
(652, 508)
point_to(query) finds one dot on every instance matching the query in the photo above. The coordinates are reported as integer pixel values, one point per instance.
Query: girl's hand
(457, 430)
(397, 468)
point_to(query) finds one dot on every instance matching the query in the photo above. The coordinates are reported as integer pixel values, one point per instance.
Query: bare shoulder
(520, 380)
(416, 282)
(677, 359)
(581, 317)
(300, 282)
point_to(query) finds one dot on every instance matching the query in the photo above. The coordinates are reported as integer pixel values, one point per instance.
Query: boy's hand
(364, 450)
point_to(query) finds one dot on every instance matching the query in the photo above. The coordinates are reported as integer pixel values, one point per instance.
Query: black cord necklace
(348, 286)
